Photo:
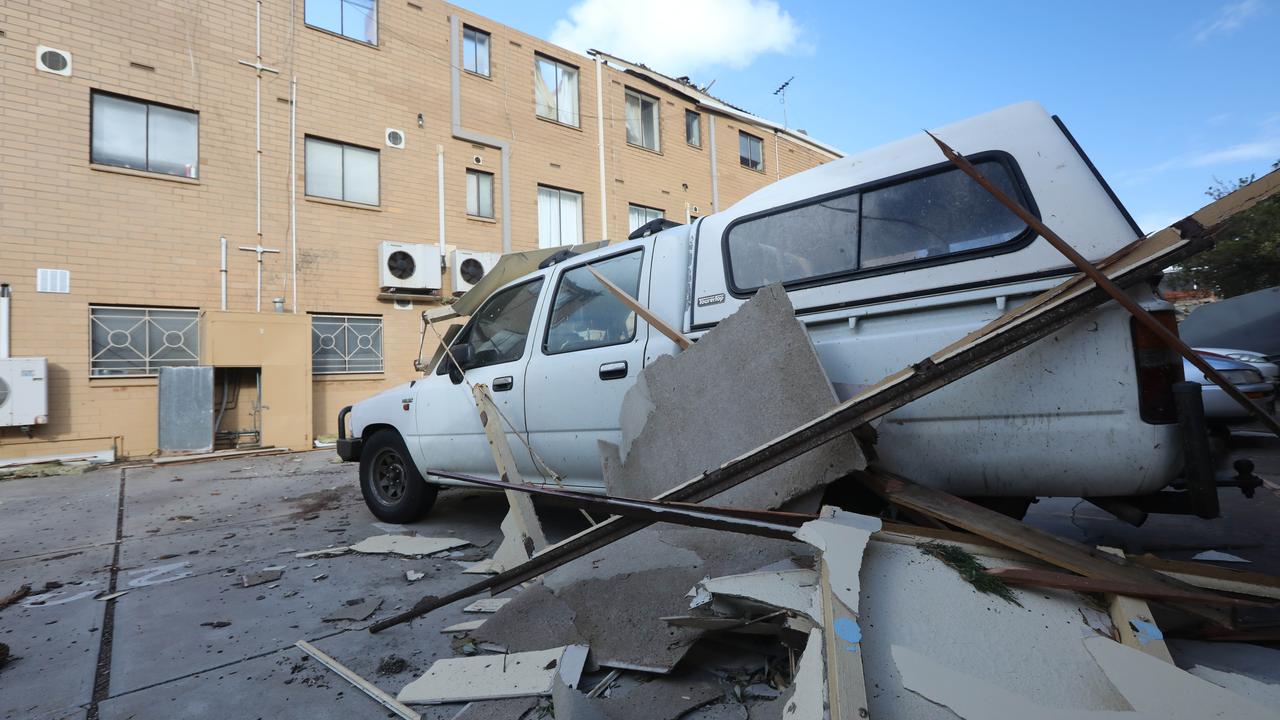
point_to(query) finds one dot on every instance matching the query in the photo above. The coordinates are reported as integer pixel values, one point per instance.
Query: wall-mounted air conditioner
(408, 266)
(395, 138)
(24, 393)
(53, 60)
(466, 267)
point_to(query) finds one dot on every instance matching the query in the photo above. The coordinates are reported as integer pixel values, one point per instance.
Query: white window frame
(554, 109)
(638, 116)
(342, 4)
(339, 343)
(554, 222)
(307, 189)
(192, 170)
(747, 161)
(471, 60)
(183, 319)
(696, 140)
(475, 196)
(643, 214)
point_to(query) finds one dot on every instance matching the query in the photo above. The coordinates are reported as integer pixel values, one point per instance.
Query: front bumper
(348, 447)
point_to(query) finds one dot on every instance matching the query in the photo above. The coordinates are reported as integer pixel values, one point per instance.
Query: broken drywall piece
(1262, 693)
(1153, 686)
(846, 535)
(325, 552)
(492, 677)
(1218, 556)
(407, 545)
(795, 590)
(1097, 622)
(494, 709)
(262, 577)
(809, 686)
(486, 605)
(413, 575)
(698, 595)
(1246, 669)
(511, 551)
(467, 626)
(356, 609)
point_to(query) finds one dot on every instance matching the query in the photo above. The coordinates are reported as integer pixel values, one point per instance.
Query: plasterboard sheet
(407, 545)
(493, 677)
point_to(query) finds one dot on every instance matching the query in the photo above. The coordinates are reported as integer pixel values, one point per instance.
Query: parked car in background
(1218, 406)
(1270, 371)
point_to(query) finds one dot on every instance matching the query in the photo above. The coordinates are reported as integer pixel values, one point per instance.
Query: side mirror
(457, 359)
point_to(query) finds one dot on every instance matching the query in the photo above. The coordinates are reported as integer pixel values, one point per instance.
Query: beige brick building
(128, 147)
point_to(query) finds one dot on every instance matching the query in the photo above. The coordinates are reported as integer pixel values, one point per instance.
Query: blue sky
(1164, 95)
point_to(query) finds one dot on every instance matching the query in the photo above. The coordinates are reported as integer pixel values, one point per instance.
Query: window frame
(488, 51)
(628, 93)
(492, 194)
(551, 304)
(582, 198)
(1024, 238)
(744, 134)
(577, 115)
(697, 123)
(382, 338)
(443, 368)
(94, 93)
(147, 309)
(343, 170)
(377, 24)
(661, 215)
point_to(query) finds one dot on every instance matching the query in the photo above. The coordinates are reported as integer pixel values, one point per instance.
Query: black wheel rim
(388, 481)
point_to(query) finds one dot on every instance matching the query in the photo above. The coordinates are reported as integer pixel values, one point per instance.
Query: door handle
(503, 384)
(613, 370)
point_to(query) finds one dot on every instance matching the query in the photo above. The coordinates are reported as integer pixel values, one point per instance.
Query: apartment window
(475, 51)
(638, 215)
(559, 217)
(356, 19)
(479, 193)
(555, 90)
(346, 344)
(144, 136)
(642, 120)
(750, 151)
(127, 341)
(341, 172)
(585, 315)
(693, 128)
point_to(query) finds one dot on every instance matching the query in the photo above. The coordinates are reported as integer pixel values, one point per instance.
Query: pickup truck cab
(887, 256)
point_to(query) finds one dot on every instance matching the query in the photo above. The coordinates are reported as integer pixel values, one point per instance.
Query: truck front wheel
(392, 486)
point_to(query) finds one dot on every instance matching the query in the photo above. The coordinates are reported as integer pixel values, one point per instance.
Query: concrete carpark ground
(188, 532)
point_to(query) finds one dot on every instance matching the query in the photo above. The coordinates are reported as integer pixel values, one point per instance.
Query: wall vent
(395, 138)
(53, 281)
(53, 60)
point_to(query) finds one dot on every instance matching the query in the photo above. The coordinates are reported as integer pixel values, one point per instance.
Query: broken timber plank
(1044, 546)
(1063, 581)
(1016, 329)
(654, 321)
(363, 685)
(521, 531)
(1211, 577)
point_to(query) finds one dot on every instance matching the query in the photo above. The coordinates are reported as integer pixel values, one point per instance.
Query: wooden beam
(361, 684)
(654, 321)
(522, 534)
(1063, 581)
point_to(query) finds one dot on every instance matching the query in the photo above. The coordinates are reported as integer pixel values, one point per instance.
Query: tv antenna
(781, 92)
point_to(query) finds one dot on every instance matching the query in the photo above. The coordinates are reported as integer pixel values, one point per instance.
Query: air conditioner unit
(466, 267)
(53, 60)
(408, 266)
(24, 394)
(395, 138)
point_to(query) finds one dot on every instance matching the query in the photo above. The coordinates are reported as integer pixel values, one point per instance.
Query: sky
(1165, 96)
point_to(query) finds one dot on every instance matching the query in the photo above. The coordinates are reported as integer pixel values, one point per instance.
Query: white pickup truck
(887, 256)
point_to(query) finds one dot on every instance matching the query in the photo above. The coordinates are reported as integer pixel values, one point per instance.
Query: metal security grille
(140, 341)
(345, 344)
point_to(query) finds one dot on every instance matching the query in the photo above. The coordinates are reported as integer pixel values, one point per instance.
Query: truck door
(500, 343)
(589, 352)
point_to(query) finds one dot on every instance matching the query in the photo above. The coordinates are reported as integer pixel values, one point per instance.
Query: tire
(393, 488)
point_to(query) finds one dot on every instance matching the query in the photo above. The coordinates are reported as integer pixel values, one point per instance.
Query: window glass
(356, 19)
(119, 132)
(475, 51)
(925, 217)
(936, 215)
(324, 169)
(345, 344)
(559, 217)
(479, 194)
(140, 341)
(750, 151)
(638, 215)
(359, 175)
(642, 120)
(499, 329)
(586, 315)
(171, 141)
(556, 91)
(693, 128)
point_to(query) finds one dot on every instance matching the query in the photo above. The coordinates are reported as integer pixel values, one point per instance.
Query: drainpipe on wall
(777, 169)
(715, 184)
(293, 185)
(455, 98)
(440, 195)
(4, 320)
(604, 209)
(222, 272)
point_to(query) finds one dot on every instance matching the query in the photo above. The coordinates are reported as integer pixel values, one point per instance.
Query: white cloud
(1229, 18)
(1244, 152)
(693, 36)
